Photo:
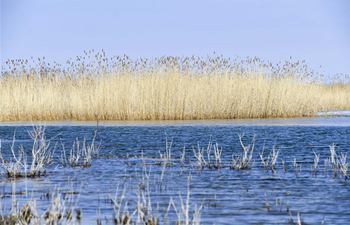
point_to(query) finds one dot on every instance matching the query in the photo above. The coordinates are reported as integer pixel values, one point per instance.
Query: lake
(129, 165)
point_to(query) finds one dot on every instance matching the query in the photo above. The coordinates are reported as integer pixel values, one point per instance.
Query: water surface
(254, 196)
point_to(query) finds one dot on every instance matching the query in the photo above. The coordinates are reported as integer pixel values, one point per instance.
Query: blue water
(254, 196)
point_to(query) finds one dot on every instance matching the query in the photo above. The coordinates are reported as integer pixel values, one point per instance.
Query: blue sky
(315, 30)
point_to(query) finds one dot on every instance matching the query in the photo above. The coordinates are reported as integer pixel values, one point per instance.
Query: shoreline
(332, 118)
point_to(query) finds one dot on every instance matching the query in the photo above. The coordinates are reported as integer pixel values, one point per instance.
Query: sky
(317, 31)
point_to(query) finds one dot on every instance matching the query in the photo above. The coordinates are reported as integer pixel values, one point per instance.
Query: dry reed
(167, 88)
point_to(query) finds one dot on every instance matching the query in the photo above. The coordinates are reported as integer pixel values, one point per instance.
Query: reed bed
(166, 88)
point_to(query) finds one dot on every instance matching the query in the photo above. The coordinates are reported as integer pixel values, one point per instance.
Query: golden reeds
(161, 94)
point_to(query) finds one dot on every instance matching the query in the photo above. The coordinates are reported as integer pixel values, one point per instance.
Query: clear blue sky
(315, 30)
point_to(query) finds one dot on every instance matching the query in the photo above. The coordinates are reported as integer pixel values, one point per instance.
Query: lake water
(130, 152)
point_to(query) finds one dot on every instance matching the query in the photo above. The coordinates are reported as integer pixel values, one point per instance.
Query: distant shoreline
(322, 119)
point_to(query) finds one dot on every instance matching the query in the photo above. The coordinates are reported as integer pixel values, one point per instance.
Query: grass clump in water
(245, 160)
(18, 165)
(59, 211)
(270, 161)
(81, 153)
(204, 156)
